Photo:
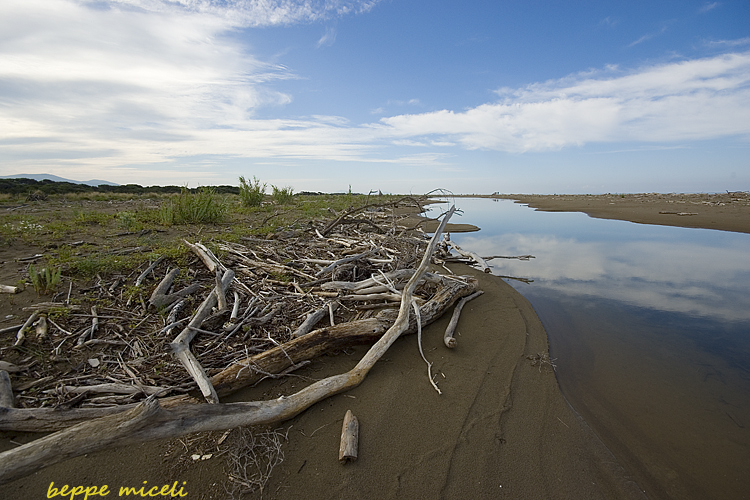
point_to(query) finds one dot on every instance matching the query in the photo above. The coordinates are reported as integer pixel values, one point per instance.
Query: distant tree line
(24, 187)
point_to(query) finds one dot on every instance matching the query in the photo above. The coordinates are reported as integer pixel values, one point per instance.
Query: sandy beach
(500, 429)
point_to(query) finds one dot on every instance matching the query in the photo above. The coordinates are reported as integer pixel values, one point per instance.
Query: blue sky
(397, 95)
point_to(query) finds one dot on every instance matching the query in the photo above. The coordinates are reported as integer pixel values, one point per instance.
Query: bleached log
(148, 421)
(448, 338)
(349, 438)
(109, 389)
(472, 255)
(205, 255)
(8, 289)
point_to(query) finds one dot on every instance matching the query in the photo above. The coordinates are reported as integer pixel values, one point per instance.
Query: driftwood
(181, 345)
(448, 338)
(349, 438)
(6, 391)
(334, 338)
(149, 420)
(313, 318)
(471, 255)
(8, 289)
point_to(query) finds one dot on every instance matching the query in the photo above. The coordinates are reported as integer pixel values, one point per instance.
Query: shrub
(251, 195)
(201, 207)
(282, 196)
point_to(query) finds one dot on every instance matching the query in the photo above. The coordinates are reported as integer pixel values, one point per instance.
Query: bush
(201, 207)
(251, 195)
(282, 196)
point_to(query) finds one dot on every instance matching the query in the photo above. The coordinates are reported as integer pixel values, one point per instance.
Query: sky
(402, 96)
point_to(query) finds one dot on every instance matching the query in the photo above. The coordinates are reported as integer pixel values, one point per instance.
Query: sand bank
(724, 211)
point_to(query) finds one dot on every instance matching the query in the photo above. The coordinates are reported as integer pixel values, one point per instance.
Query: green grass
(251, 194)
(202, 207)
(282, 196)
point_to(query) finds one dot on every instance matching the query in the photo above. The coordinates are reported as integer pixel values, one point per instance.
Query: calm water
(650, 326)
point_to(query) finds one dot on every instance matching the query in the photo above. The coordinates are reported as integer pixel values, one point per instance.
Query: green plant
(44, 281)
(91, 218)
(251, 194)
(282, 196)
(128, 221)
(201, 207)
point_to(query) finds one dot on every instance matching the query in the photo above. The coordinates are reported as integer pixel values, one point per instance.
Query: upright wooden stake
(349, 438)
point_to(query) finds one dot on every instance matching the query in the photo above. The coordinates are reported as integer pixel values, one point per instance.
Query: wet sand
(501, 428)
(723, 211)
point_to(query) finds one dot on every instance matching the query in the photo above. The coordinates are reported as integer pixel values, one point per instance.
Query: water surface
(650, 328)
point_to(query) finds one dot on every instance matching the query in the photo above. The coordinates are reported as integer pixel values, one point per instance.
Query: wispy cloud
(328, 38)
(708, 6)
(690, 100)
(648, 36)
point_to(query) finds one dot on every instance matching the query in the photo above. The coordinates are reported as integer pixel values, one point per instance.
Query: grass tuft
(202, 207)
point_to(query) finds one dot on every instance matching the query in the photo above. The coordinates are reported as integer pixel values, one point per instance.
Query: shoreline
(720, 211)
(501, 429)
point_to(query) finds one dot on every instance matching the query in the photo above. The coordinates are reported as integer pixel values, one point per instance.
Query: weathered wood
(181, 344)
(312, 319)
(8, 289)
(349, 438)
(56, 419)
(335, 338)
(21, 335)
(6, 391)
(448, 338)
(472, 255)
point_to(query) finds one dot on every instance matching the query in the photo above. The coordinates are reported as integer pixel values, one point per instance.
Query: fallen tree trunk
(148, 421)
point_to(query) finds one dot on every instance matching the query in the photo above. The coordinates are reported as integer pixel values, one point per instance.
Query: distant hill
(55, 178)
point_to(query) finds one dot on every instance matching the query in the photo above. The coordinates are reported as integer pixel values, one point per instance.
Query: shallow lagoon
(650, 328)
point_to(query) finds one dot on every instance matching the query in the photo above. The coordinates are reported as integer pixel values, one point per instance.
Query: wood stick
(163, 286)
(8, 289)
(349, 438)
(144, 274)
(6, 391)
(181, 345)
(21, 335)
(448, 338)
(312, 319)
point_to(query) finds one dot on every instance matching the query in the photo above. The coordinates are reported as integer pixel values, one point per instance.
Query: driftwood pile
(238, 313)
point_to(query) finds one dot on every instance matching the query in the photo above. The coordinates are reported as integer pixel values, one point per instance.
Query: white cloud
(142, 81)
(690, 100)
(708, 6)
(328, 38)
(132, 83)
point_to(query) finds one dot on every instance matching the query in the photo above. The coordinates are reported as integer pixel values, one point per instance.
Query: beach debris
(268, 276)
(349, 438)
(9, 289)
(542, 359)
(448, 339)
